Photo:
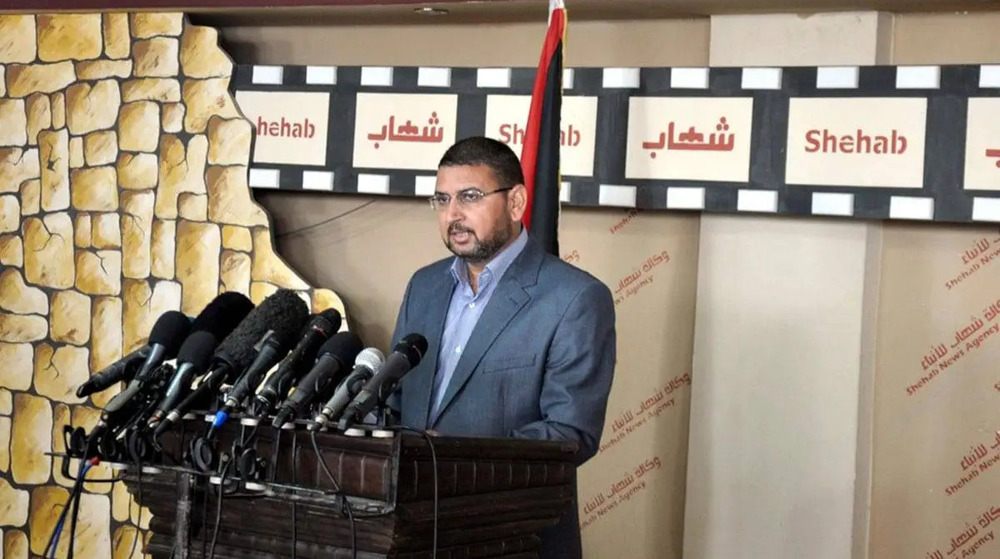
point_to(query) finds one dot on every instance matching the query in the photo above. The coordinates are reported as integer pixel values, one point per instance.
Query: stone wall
(123, 194)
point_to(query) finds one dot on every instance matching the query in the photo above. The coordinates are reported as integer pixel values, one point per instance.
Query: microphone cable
(76, 497)
(347, 505)
(336, 487)
(76, 490)
(73, 502)
(295, 508)
(138, 500)
(218, 508)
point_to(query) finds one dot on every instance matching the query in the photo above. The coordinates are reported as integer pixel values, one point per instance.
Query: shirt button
(472, 305)
(458, 349)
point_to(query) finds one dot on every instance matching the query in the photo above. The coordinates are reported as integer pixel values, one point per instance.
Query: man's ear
(517, 201)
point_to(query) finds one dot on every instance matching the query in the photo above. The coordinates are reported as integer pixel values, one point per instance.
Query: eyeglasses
(466, 198)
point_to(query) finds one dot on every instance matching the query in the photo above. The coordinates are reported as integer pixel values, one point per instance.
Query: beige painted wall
(956, 38)
(774, 419)
(590, 43)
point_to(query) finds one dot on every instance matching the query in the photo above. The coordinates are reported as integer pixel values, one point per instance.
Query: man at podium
(520, 343)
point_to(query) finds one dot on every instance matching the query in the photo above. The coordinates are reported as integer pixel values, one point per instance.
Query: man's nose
(454, 211)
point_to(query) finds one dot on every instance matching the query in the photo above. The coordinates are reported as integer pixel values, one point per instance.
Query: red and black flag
(540, 153)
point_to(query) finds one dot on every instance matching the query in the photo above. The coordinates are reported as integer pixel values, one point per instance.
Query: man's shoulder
(431, 273)
(554, 270)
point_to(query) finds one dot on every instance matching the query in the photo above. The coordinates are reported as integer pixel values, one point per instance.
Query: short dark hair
(480, 150)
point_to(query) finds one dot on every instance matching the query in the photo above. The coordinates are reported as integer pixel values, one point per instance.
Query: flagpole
(541, 146)
(553, 6)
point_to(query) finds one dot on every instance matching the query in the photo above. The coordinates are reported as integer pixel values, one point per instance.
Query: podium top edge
(483, 447)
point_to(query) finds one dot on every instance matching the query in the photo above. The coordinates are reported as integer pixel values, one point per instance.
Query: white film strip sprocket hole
(833, 204)
(838, 77)
(268, 75)
(376, 76)
(911, 207)
(761, 78)
(264, 178)
(685, 198)
(758, 201)
(373, 184)
(617, 195)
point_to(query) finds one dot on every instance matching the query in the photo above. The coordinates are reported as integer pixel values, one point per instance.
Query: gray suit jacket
(539, 363)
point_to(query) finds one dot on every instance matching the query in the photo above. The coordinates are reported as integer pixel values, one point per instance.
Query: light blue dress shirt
(464, 311)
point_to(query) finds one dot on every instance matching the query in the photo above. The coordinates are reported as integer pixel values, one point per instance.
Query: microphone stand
(381, 429)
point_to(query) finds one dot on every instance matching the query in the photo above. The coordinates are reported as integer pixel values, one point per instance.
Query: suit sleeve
(398, 332)
(578, 374)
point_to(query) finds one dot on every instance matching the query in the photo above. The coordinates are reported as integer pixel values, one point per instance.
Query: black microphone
(219, 318)
(233, 355)
(192, 360)
(319, 329)
(406, 355)
(276, 344)
(165, 339)
(133, 403)
(367, 363)
(334, 358)
(122, 370)
(223, 314)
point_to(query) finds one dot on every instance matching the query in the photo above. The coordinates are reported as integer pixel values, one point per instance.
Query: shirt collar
(496, 267)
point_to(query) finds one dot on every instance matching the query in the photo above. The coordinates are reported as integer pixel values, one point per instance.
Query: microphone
(123, 369)
(368, 361)
(406, 355)
(132, 404)
(192, 360)
(334, 356)
(223, 314)
(165, 339)
(319, 329)
(277, 342)
(233, 355)
(218, 317)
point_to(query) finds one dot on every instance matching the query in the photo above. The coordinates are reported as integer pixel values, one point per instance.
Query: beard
(482, 250)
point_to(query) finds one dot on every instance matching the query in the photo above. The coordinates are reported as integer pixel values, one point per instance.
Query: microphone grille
(238, 348)
(197, 349)
(413, 346)
(344, 346)
(333, 317)
(223, 314)
(170, 331)
(370, 357)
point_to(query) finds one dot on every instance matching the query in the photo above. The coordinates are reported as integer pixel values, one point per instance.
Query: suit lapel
(508, 299)
(435, 313)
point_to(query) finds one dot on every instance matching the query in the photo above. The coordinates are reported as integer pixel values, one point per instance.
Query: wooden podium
(493, 495)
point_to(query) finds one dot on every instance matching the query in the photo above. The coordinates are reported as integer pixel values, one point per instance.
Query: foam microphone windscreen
(197, 349)
(287, 323)
(223, 314)
(345, 346)
(237, 350)
(170, 331)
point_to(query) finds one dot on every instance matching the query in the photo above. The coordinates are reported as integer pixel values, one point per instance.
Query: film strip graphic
(868, 142)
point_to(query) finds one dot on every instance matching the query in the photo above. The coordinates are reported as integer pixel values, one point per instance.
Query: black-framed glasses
(466, 198)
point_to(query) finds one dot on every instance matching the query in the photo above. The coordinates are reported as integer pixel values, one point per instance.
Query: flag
(540, 152)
